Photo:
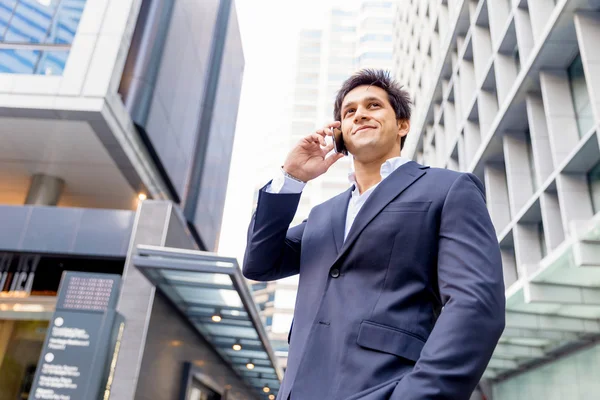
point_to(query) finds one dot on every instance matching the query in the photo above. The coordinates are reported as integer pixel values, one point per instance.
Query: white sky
(269, 31)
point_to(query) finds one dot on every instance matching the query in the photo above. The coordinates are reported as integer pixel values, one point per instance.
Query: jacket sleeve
(273, 250)
(472, 290)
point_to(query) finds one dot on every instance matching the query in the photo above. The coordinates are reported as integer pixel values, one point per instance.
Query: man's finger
(318, 139)
(329, 161)
(334, 124)
(327, 149)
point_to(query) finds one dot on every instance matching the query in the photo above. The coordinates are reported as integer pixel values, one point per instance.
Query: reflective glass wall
(36, 35)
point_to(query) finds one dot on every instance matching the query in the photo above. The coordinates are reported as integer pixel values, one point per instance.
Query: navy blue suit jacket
(409, 307)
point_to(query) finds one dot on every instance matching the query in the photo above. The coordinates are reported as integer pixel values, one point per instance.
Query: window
(377, 4)
(372, 55)
(343, 28)
(374, 37)
(37, 34)
(581, 98)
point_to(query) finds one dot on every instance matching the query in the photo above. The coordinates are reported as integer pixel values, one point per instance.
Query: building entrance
(21, 342)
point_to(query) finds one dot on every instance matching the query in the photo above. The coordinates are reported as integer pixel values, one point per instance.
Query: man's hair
(398, 97)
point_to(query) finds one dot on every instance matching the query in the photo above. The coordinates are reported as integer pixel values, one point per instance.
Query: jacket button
(334, 273)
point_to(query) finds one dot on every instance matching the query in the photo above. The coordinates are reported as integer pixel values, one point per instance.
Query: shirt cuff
(282, 184)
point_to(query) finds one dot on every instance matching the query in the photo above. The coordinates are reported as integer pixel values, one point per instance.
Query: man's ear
(403, 127)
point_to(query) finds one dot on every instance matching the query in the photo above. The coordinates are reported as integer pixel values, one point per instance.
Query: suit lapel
(383, 194)
(339, 210)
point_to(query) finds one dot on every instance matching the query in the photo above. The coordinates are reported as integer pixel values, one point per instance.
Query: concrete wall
(63, 230)
(179, 96)
(219, 146)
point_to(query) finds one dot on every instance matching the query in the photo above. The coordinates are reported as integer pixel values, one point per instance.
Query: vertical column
(440, 145)
(560, 115)
(468, 89)
(540, 141)
(472, 142)
(450, 122)
(575, 200)
(498, 15)
(497, 195)
(462, 165)
(482, 50)
(518, 170)
(524, 34)
(528, 252)
(588, 35)
(506, 74)
(154, 225)
(488, 109)
(539, 13)
(509, 266)
(551, 218)
(44, 190)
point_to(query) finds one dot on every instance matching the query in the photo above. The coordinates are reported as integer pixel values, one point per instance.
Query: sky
(269, 30)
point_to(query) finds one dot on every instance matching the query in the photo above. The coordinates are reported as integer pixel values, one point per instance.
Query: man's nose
(360, 114)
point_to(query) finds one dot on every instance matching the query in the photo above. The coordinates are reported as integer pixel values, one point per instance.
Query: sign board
(17, 273)
(81, 339)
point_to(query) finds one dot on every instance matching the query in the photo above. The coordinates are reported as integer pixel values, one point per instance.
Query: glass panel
(65, 22)
(210, 297)
(234, 313)
(226, 321)
(31, 21)
(6, 11)
(201, 310)
(264, 362)
(52, 62)
(20, 345)
(263, 370)
(232, 331)
(248, 353)
(248, 342)
(196, 277)
(18, 61)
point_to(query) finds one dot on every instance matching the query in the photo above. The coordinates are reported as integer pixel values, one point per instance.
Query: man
(401, 293)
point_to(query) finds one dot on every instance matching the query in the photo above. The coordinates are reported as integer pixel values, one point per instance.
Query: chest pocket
(408, 206)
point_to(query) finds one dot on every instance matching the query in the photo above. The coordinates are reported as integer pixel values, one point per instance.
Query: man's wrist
(287, 174)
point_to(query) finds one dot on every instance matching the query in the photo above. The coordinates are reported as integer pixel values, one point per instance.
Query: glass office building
(510, 91)
(116, 127)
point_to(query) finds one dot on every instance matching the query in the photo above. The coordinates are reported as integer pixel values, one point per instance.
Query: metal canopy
(554, 306)
(212, 293)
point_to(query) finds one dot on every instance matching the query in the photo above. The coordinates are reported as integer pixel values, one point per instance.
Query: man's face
(369, 124)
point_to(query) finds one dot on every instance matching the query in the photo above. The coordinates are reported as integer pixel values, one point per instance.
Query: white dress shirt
(283, 184)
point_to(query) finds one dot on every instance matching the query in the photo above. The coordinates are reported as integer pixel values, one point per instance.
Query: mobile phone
(338, 141)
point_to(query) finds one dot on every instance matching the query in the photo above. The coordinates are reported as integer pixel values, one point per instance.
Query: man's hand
(308, 159)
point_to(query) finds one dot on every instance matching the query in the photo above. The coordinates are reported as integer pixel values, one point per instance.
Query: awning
(212, 293)
(555, 307)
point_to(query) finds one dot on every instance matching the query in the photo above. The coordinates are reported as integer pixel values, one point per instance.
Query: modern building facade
(116, 127)
(510, 91)
(352, 38)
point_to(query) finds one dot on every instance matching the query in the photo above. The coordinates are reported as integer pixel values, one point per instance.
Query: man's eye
(375, 105)
(350, 110)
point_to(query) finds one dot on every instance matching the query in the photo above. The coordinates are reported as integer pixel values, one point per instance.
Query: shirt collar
(389, 166)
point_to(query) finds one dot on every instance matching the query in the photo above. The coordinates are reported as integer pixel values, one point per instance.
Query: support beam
(561, 294)
(587, 254)
(500, 364)
(490, 374)
(543, 334)
(514, 351)
(552, 322)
